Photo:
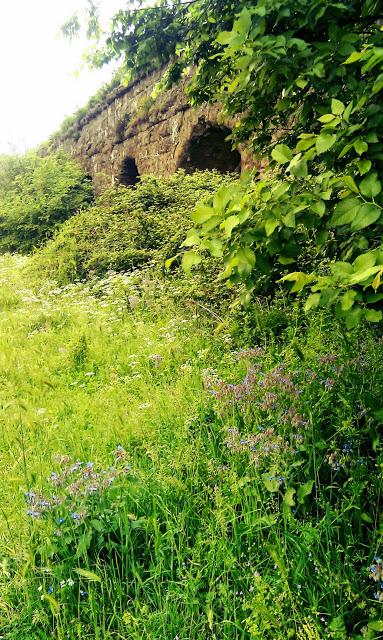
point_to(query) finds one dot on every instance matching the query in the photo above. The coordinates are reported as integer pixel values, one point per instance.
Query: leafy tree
(37, 194)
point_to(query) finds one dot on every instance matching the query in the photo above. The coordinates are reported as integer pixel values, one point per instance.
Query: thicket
(37, 194)
(130, 228)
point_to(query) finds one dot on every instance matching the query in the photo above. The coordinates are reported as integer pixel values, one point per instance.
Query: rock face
(132, 135)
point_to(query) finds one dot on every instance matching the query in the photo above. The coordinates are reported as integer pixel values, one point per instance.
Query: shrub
(37, 194)
(128, 227)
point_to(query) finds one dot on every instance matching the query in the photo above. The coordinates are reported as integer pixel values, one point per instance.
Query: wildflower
(60, 520)
(83, 594)
(33, 514)
(50, 589)
(75, 516)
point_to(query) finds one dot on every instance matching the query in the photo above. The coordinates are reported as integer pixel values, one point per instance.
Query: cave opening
(210, 149)
(129, 175)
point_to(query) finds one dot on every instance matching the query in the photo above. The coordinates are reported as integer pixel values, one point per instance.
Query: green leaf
(375, 625)
(363, 276)
(364, 261)
(353, 317)
(370, 185)
(189, 259)
(270, 226)
(378, 84)
(354, 57)
(170, 261)
(298, 167)
(304, 490)
(221, 199)
(282, 154)
(88, 575)
(300, 280)
(319, 208)
(312, 302)
(360, 147)
(367, 214)
(337, 107)
(215, 247)
(243, 22)
(373, 315)
(202, 213)
(271, 483)
(364, 166)
(345, 212)
(229, 224)
(347, 300)
(288, 498)
(366, 517)
(327, 117)
(192, 239)
(350, 183)
(246, 260)
(324, 142)
(289, 220)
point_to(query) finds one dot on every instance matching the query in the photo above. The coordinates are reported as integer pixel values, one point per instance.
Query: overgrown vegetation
(304, 80)
(128, 228)
(175, 467)
(37, 194)
(160, 481)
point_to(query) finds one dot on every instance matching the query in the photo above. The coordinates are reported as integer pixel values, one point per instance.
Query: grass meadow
(160, 479)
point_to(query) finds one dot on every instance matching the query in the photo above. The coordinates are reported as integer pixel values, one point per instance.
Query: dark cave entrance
(129, 175)
(210, 150)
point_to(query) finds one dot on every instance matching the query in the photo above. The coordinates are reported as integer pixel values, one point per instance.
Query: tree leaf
(189, 259)
(364, 166)
(202, 213)
(373, 315)
(312, 302)
(270, 226)
(360, 147)
(324, 142)
(243, 22)
(229, 224)
(337, 107)
(282, 154)
(370, 185)
(367, 214)
(345, 212)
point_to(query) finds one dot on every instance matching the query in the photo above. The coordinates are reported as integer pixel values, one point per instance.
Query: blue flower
(50, 589)
(75, 516)
(60, 520)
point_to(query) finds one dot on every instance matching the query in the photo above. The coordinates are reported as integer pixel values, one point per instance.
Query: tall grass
(179, 486)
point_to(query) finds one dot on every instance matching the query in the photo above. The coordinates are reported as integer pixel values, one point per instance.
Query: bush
(37, 194)
(128, 227)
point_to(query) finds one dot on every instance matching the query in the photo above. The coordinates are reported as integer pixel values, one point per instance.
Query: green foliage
(223, 492)
(304, 80)
(325, 60)
(128, 228)
(37, 194)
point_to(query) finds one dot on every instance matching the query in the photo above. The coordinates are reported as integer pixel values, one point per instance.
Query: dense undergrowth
(163, 480)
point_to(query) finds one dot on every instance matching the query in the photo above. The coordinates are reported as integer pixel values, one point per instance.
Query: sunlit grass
(208, 534)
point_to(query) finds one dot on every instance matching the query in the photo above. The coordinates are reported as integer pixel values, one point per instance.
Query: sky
(38, 80)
